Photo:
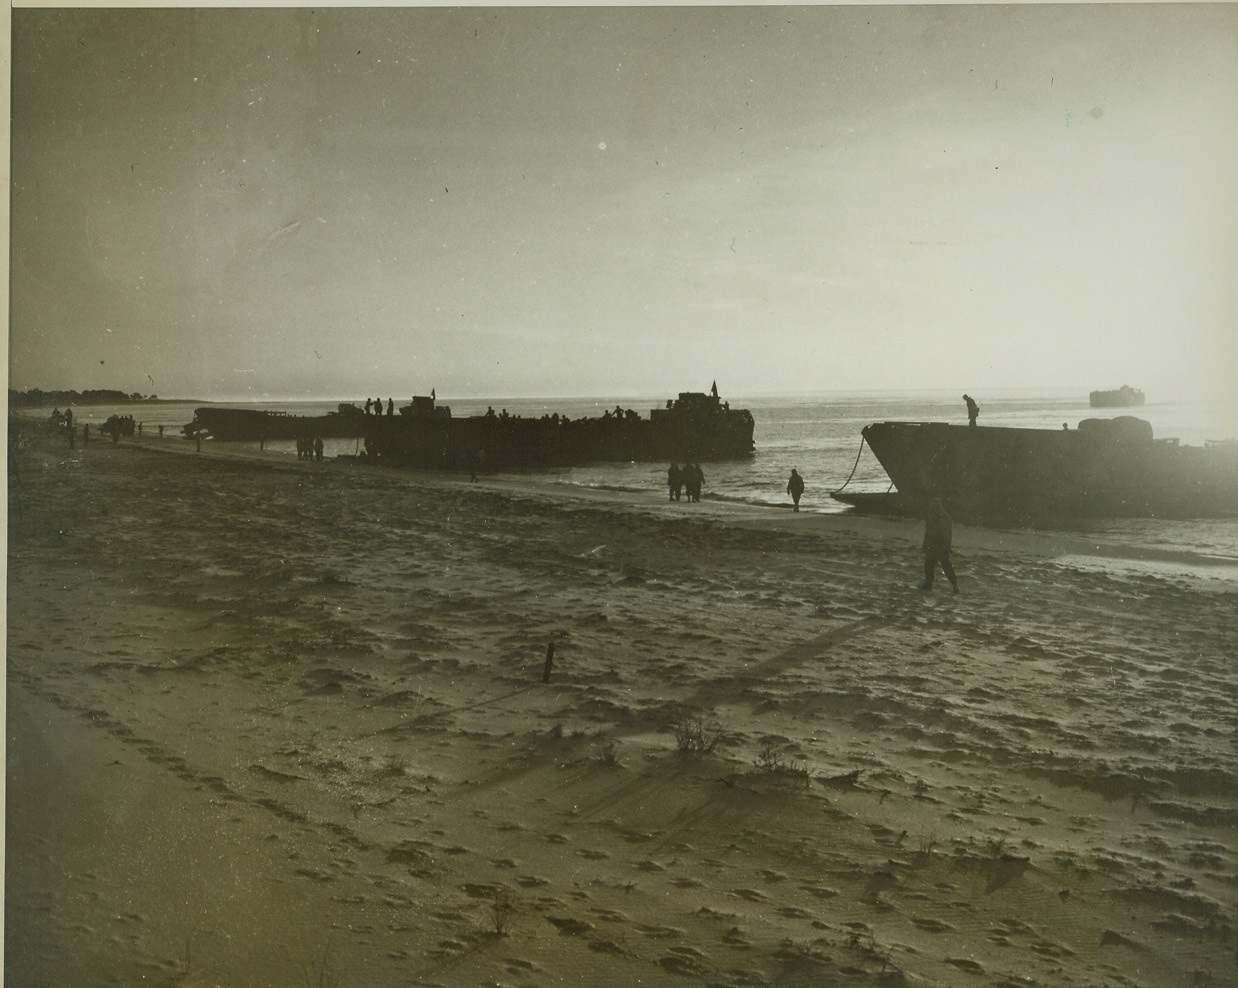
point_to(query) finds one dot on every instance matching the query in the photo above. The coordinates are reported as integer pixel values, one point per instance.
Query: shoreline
(1052, 543)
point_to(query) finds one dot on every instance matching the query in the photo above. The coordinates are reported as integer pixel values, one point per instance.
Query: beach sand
(283, 723)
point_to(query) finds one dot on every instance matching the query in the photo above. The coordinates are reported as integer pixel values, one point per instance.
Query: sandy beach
(283, 723)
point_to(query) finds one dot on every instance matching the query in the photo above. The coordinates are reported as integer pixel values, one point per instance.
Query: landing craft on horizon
(1123, 397)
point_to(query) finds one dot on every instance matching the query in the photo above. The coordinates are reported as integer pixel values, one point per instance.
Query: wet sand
(282, 723)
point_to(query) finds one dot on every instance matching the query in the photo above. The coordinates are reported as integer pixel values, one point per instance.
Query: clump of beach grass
(693, 735)
(502, 906)
(771, 761)
(394, 766)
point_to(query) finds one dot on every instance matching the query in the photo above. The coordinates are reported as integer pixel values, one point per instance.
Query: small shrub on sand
(771, 761)
(393, 766)
(694, 736)
(868, 947)
(502, 905)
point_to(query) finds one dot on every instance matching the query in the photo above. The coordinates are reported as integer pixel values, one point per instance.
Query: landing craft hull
(1104, 469)
(697, 428)
(256, 425)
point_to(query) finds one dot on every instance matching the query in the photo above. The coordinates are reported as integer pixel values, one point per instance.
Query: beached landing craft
(255, 425)
(695, 427)
(1107, 468)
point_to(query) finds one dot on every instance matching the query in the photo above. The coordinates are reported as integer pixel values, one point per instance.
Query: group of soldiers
(116, 426)
(938, 528)
(309, 449)
(689, 477)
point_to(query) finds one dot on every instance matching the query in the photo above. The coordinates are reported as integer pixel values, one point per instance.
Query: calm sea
(818, 434)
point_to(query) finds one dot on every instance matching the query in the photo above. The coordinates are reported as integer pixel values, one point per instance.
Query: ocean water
(819, 435)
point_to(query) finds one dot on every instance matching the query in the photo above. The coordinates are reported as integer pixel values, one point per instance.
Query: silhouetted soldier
(695, 480)
(972, 410)
(318, 449)
(795, 487)
(674, 482)
(938, 534)
(390, 406)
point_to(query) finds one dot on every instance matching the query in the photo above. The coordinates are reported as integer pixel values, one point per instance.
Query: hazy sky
(624, 201)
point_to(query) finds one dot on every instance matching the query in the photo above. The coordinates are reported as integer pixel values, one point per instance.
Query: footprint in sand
(607, 947)
(570, 926)
(660, 932)
(685, 961)
(932, 925)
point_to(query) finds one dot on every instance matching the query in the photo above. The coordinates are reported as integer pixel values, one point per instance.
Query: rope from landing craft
(854, 465)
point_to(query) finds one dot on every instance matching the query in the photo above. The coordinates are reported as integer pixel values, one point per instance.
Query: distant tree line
(36, 397)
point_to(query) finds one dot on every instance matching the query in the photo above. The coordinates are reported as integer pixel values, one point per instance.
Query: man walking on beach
(938, 534)
(795, 487)
(973, 410)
